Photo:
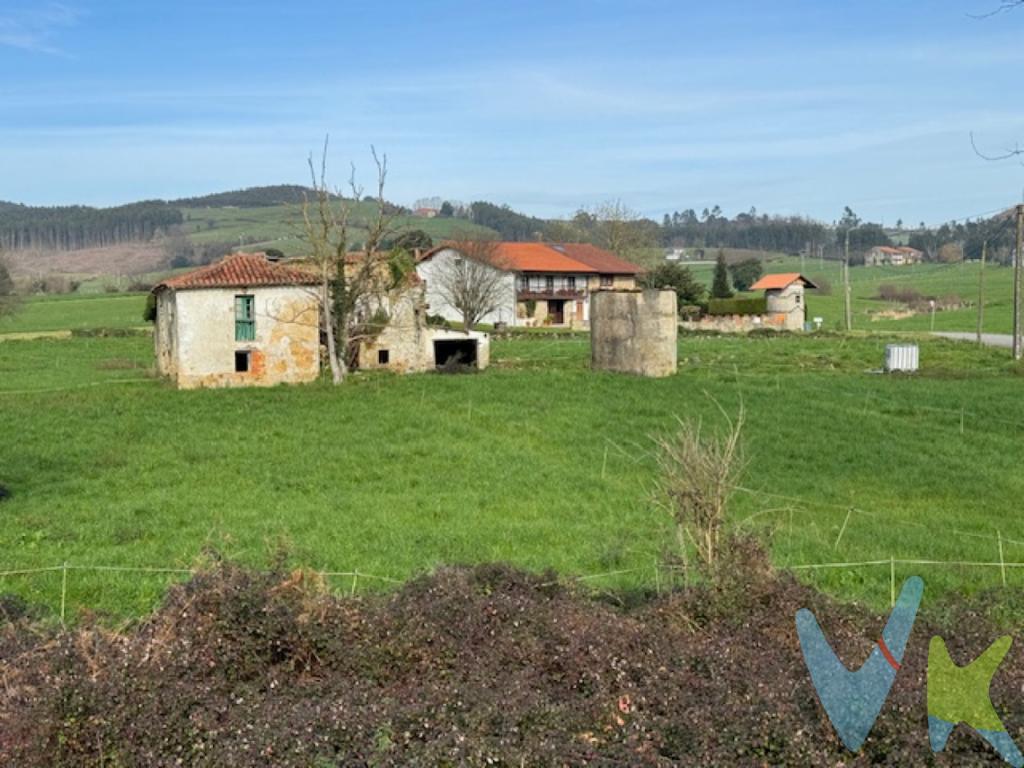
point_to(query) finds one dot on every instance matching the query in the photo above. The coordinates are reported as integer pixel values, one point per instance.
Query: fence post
(63, 591)
(843, 529)
(892, 581)
(1002, 562)
(604, 464)
(355, 580)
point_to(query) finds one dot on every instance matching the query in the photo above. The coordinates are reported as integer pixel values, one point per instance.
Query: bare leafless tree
(348, 283)
(474, 282)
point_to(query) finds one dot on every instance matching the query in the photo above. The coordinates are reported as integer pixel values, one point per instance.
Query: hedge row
(738, 306)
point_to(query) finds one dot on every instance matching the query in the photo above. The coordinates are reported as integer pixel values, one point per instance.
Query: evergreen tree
(720, 285)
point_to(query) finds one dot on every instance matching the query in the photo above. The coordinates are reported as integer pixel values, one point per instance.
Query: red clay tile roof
(572, 258)
(239, 270)
(598, 258)
(780, 280)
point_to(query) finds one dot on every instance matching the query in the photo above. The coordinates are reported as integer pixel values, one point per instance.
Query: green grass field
(75, 311)
(537, 461)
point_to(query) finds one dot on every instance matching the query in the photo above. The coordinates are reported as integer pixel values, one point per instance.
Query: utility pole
(846, 281)
(1017, 348)
(981, 290)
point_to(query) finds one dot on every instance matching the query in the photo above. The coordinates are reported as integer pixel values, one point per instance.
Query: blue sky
(792, 107)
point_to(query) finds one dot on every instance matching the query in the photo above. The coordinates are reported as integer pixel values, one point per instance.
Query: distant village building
(243, 321)
(784, 297)
(884, 255)
(426, 213)
(546, 283)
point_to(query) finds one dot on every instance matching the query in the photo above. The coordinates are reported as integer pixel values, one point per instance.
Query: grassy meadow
(537, 461)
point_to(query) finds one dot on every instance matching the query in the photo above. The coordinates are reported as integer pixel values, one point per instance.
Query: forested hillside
(78, 226)
(253, 197)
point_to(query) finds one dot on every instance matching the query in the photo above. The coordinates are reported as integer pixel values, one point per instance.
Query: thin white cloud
(36, 29)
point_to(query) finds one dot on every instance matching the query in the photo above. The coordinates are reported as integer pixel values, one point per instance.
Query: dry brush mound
(469, 666)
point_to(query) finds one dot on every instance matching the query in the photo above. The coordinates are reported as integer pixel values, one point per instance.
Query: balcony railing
(523, 293)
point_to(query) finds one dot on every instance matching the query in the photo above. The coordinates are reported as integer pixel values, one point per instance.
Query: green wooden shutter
(245, 321)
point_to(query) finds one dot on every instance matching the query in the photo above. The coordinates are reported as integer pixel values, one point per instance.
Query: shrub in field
(698, 473)
(899, 293)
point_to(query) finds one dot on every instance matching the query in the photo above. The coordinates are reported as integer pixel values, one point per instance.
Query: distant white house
(543, 283)
(884, 255)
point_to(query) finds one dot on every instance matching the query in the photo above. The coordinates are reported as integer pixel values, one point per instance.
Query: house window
(524, 282)
(606, 281)
(796, 297)
(242, 361)
(383, 356)
(570, 283)
(549, 282)
(245, 321)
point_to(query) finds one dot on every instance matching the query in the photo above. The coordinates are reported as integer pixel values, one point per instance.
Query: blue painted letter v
(854, 699)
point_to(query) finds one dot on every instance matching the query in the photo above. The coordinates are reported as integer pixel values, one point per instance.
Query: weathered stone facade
(408, 345)
(196, 342)
(242, 321)
(735, 323)
(634, 332)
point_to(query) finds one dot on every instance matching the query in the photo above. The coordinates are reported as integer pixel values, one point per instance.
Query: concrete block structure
(634, 332)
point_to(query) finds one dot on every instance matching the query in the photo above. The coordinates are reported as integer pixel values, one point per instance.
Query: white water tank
(901, 357)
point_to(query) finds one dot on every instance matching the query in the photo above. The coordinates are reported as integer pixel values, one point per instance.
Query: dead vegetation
(699, 470)
(469, 666)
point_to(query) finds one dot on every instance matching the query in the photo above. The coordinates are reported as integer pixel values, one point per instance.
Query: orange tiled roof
(573, 258)
(780, 280)
(239, 270)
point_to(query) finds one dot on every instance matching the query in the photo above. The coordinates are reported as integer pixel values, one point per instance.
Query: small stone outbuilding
(634, 332)
(243, 321)
(407, 344)
(784, 297)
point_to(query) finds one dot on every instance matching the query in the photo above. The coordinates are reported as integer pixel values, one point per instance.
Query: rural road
(988, 339)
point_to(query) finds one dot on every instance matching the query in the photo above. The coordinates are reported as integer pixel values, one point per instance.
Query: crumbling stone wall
(634, 332)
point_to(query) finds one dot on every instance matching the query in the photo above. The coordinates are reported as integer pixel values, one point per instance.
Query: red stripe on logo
(888, 655)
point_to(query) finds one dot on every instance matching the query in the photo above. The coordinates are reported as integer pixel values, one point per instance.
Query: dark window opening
(383, 356)
(242, 360)
(606, 281)
(549, 283)
(570, 283)
(455, 352)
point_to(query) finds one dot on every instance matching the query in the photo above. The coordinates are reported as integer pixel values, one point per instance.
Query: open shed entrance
(449, 352)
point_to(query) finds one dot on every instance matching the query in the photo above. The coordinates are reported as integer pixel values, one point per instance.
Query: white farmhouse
(243, 321)
(545, 283)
